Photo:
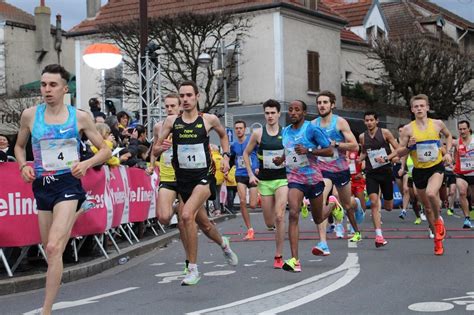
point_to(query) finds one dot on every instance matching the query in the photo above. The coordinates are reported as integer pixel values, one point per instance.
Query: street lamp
(204, 59)
(102, 56)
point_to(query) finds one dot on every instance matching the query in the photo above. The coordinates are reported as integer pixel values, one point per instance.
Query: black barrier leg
(5, 263)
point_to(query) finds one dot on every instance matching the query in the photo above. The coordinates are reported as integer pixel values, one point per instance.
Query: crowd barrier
(123, 195)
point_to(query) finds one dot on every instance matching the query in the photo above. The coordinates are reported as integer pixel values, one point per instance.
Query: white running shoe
(229, 255)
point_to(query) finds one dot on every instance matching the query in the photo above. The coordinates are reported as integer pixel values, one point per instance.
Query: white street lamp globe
(204, 59)
(102, 56)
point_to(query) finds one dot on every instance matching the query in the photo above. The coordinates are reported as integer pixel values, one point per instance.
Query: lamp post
(102, 56)
(205, 59)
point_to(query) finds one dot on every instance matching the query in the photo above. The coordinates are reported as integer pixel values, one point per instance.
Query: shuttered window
(313, 71)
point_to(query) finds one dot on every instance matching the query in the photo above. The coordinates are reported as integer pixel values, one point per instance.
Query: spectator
(105, 132)
(127, 158)
(110, 107)
(5, 145)
(217, 158)
(123, 120)
(112, 122)
(231, 185)
(99, 117)
(94, 105)
(138, 137)
(142, 153)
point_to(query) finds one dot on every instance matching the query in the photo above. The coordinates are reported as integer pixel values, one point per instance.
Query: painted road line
(89, 300)
(260, 303)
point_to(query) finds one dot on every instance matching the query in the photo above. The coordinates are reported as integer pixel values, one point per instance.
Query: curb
(95, 266)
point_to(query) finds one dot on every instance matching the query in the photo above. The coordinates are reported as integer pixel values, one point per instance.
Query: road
(402, 278)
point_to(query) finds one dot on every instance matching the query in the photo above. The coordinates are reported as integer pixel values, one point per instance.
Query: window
(313, 71)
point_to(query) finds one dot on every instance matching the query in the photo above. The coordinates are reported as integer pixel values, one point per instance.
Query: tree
(413, 65)
(182, 38)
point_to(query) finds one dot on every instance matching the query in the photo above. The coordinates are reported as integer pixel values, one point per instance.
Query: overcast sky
(74, 11)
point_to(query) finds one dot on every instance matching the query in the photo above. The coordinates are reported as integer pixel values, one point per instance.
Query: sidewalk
(19, 283)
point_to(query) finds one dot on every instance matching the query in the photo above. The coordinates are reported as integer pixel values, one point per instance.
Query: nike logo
(343, 184)
(68, 196)
(65, 130)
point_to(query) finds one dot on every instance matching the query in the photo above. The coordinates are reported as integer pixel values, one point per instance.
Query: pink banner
(95, 220)
(18, 213)
(140, 195)
(117, 193)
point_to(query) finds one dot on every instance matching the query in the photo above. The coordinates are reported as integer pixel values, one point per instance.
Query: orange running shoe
(278, 262)
(440, 230)
(380, 241)
(438, 248)
(250, 234)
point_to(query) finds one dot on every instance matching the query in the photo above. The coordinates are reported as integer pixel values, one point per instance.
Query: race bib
(330, 158)
(467, 163)
(268, 156)
(352, 167)
(377, 153)
(167, 157)
(427, 152)
(240, 162)
(191, 156)
(295, 160)
(58, 154)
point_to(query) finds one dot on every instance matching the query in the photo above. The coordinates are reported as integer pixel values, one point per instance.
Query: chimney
(93, 7)
(43, 29)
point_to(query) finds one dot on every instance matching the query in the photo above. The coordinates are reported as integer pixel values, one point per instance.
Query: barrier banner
(18, 213)
(115, 190)
(141, 194)
(95, 220)
(126, 206)
(155, 183)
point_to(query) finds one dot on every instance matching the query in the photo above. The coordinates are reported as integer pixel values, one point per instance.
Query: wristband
(23, 166)
(226, 154)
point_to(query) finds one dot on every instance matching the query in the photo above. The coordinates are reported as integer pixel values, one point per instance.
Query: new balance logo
(64, 131)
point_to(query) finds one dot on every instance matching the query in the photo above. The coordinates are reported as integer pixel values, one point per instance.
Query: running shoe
(432, 236)
(380, 241)
(403, 214)
(292, 265)
(250, 234)
(356, 238)
(422, 216)
(438, 248)
(351, 230)
(440, 230)
(186, 267)
(330, 228)
(360, 213)
(417, 221)
(321, 249)
(339, 230)
(229, 255)
(304, 211)
(271, 228)
(338, 211)
(191, 278)
(278, 262)
(88, 204)
(467, 223)
(450, 212)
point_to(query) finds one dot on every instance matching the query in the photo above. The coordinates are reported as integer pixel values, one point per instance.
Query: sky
(74, 11)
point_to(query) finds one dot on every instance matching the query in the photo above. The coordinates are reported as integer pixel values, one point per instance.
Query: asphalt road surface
(403, 277)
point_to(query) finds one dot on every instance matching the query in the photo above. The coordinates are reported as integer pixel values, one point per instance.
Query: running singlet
(426, 152)
(376, 147)
(166, 167)
(55, 147)
(465, 158)
(191, 154)
(237, 149)
(270, 147)
(337, 162)
(303, 168)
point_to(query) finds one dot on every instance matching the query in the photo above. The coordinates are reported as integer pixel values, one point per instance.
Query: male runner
(56, 131)
(464, 168)
(241, 175)
(421, 139)
(378, 155)
(193, 166)
(301, 140)
(335, 169)
(271, 179)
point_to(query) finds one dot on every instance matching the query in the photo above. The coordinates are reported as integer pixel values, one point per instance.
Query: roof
(402, 19)
(349, 36)
(116, 11)
(355, 13)
(11, 13)
(448, 15)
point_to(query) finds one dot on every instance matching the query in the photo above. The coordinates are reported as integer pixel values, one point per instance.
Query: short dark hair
(122, 114)
(57, 69)
(464, 122)
(190, 83)
(140, 129)
(305, 107)
(240, 122)
(272, 103)
(99, 114)
(332, 97)
(94, 103)
(371, 113)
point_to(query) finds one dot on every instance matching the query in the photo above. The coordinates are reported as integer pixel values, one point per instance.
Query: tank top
(300, 169)
(337, 162)
(375, 147)
(465, 158)
(270, 147)
(238, 148)
(426, 152)
(167, 173)
(191, 153)
(55, 147)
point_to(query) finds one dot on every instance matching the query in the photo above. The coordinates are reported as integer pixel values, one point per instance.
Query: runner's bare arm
(448, 158)
(214, 123)
(350, 143)
(253, 141)
(392, 141)
(24, 133)
(363, 154)
(153, 156)
(404, 140)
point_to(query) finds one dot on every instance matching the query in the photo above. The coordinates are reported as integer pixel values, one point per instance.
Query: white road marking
(350, 265)
(219, 273)
(315, 260)
(259, 261)
(157, 264)
(431, 307)
(207, 262)
(90, 300)
(249, 265)
(220, 266)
